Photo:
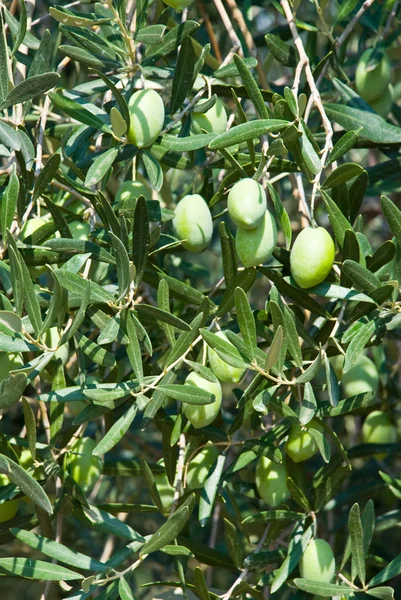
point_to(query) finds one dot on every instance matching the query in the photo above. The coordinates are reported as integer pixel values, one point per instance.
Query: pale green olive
(362, 377)
(178, 4)
(9, 362)
(79, 230)
(383, 104)
(255, 246)
(8, 510)
(147, 118)
(212, 121)
(199, 467)
(247, 203)
(312, 256)
(83, 466)
(193, 223)
(222, 370)
(300, 444)
(131, 190)
(202, 415)
(318, 562)
(378, 428)
(371, 84)
(271, 481)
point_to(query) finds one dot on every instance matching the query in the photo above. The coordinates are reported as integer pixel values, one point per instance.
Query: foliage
(107, 318)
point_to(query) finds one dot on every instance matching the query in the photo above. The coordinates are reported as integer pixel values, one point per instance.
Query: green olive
(9, 362)
(371, 84)
(271, 481)
(193, 223)
(312, 256)
(300, 444)
(255, 246)
(147, 118)
(8, 510)
(178, 4)
(212, 121)
(378, 428)
(202, 415)
(247, 203)
(79, 230)
(383, 104)
(222, 370)
(131, 190)
(199, 467)
(83, 466)
(362, 377)
(318, 562)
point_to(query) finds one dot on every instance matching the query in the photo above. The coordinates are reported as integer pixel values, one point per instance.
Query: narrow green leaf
(283, 52)
(357, 549)
(321, 588)
(247, 131)
(168, 531)
(133, 347)
(26, 484)
(252, 87)
(8, 203)
(183, 75)
(141, 238)
(209, 491)
(37, 569)
(4, 60)
(246, 320)
(78, 112)
(357, 344)
(233, 542)
(100, 167)
(342, 174)
(343, 145)
(30, 88)
(338, 221)
(296, 549)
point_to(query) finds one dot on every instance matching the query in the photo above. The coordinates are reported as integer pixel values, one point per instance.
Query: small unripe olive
(212, 121)
(178, 4)
(247, 203)
(83, 466)
(199, 467)
(193, 223)
(300, 444)
(271, 481)
(202, 415)
(312, 256)
(372, 84)
(8, 510)
(132, 190)
(79, 230)
(378, 428)
(220, 368)
(255, 246)
(383, 104)
(9, 362)
(318, 562)
(147, 118)
(362, 377)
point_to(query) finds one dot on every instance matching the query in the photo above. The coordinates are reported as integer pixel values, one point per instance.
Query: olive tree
(200, 269)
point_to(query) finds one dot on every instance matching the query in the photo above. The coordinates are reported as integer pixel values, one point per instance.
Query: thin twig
(228, 25)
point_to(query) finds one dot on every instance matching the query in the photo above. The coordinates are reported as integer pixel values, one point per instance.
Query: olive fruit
(247, 203)
(202, 415)
(9, 362)
(383, 104)
(9, 508)
(199, 467)
(79, 230)
(372, 83)
(255, 246)
(222, 370)
(300, 444)
(378, 428)
(178, 4)
(271, 481)
(212, 121)
(83, 466)
(312, 256)
(193, 223)
(131, 190)
(147, 118)
(318, 562)
(362, 377)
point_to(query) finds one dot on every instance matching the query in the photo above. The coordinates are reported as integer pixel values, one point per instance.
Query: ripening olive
(362, 377)
(220, 368)
(378, 428)
(318, 562)
(147, 118)
(247, 203)
(193, 223)
(83, 466)
(271, 481)
(383, 104)
(202, 415)
(312, 256)
(255, 246)
(9, 362)
(199, 467)
(300, 444)
(131, 190)
(212, 121)
(178, 4)
(372, 83)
